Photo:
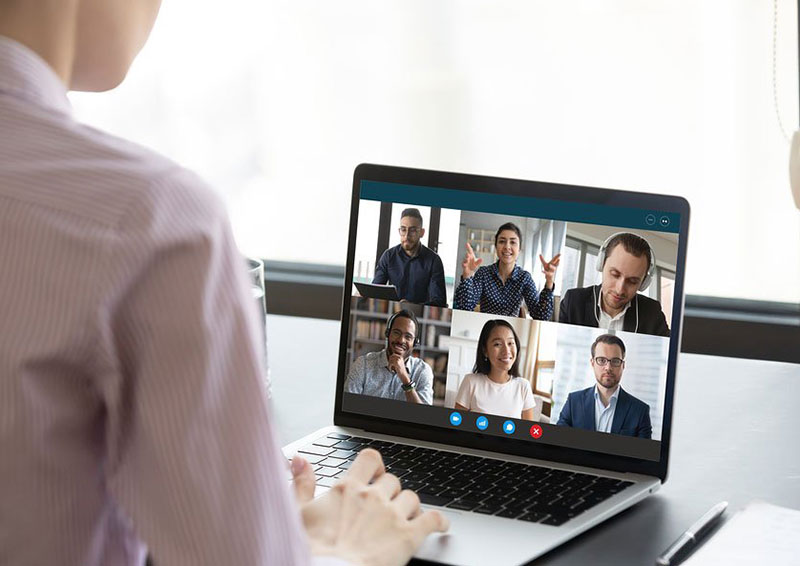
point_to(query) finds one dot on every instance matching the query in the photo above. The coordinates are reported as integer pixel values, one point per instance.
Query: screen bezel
(535, 189)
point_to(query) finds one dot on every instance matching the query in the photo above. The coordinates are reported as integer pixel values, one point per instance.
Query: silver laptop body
(478, 538)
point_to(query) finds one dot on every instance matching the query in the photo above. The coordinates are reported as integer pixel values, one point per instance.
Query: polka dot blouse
(486, 287)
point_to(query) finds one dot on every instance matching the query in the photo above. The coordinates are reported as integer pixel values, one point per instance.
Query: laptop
(375, 291)
(541, 404)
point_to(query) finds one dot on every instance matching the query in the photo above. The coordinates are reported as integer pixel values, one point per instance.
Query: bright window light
(276, 102)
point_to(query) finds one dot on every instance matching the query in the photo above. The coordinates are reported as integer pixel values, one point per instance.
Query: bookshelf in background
(482, 242)
(368, 324)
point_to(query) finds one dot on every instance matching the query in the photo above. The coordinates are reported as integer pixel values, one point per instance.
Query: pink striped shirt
(132, 410)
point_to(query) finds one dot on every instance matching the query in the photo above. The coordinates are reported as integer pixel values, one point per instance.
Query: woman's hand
(549, 269)
(365, 523)
(470, 264)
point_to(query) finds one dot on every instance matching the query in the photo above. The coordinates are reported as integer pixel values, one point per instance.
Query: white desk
(735, 437)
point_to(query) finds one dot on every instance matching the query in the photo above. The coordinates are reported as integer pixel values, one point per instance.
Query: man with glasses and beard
(415, 270)
(606, 407)
(393, 373)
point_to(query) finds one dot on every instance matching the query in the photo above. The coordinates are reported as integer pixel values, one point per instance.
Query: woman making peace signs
(501, 287)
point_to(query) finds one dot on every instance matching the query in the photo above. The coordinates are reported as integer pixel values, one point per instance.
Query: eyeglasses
(395, 333)
(615, 362)
(411, 231)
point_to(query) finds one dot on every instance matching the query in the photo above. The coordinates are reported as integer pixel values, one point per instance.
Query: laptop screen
(514, 311)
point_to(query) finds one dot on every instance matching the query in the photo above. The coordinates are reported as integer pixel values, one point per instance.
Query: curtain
(546, 237)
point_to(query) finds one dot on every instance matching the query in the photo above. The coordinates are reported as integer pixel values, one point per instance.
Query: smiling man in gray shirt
(393, 373)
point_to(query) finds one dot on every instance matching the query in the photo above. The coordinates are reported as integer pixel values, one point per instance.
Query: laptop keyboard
(470, 483)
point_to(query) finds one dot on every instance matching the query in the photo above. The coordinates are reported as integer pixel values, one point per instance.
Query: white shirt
(604, 416)
(611, 322)
(480, 394)
(133, 413)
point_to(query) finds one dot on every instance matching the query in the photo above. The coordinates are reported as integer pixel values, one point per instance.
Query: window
(275, 103)
(545, 362)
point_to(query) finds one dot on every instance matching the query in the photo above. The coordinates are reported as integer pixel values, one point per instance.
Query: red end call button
(536, 431)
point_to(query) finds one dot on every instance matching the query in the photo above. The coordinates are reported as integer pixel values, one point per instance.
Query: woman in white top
(496, 388)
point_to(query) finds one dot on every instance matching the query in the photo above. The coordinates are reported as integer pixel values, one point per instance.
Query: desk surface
(734, 438)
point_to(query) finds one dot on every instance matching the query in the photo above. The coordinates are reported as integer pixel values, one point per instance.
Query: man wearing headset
(393, 373)
(606, 407)
(628, 263)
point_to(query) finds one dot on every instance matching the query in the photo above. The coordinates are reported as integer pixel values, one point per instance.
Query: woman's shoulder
(522, 383)
(474, 377)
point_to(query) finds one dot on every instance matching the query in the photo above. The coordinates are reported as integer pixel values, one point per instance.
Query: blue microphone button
(455, 418)
(482, 423)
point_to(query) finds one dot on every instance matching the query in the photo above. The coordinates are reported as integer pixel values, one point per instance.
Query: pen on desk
(689, 539)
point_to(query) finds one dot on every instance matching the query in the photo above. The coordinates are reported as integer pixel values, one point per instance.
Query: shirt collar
(514, 272)
(25, 75)
(402, 253)
(611, 400)
(616, 317)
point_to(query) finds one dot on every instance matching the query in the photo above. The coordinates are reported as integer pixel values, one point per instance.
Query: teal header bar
(586, 213)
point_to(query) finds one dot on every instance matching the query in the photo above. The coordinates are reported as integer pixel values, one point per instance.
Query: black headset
(405, 314)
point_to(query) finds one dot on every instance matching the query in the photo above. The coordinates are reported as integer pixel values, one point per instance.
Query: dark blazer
(579, 306)
(631, 417)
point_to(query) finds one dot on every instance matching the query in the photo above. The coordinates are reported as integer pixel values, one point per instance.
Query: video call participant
(393, 373)
(606, 407)
(501, 287)
(495, 387)
(415, 270)
(628, 263)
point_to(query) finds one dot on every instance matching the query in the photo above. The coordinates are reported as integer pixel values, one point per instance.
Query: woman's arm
(468, 293)
(540, 305)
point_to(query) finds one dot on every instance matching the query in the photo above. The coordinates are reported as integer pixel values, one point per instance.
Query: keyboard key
(473, 495)
(327, 472)
(412, 485)
(457, 483)
(497, 500)
(430, 489)
(332, 462)
(555, 520)
(416, 476)
(399, 472)
(328, 442)
(326, 482)
(311, 458)
(508, 483)
(453, 493)
(318, 450)
(338, 436)
(343, 454)
(346, 465)
(346, 444)
(503, 491)
(463, 505)
(510, 513)
(360, 440)
(434, 499)
(532, 517)
(488, 509)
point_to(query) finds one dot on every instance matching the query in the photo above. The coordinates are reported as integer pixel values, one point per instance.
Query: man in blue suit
(606, 407)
